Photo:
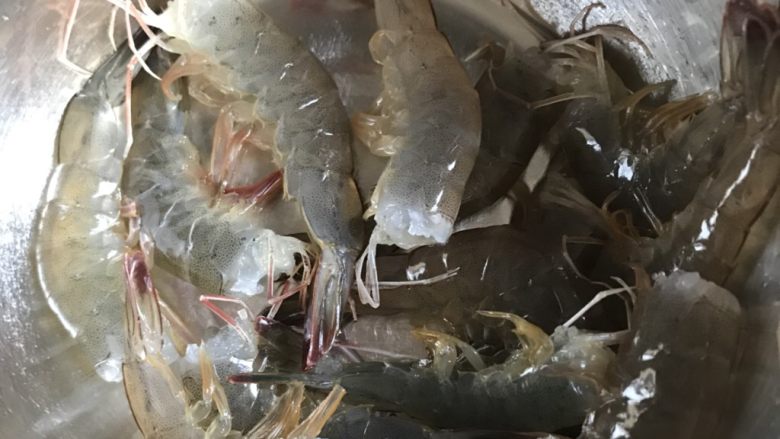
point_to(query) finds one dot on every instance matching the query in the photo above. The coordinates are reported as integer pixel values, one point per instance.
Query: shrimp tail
(331, 289)
(750, 54)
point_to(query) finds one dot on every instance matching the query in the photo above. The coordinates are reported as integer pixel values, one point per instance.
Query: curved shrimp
(80, 237)
(429, 122)
(546, 385)
(238, 54)
(498, 268)
(709, 235)
(158, 398)
(217, 245)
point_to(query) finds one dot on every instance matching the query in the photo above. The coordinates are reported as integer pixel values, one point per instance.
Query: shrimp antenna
(597, 299)
(111, 30)
(64, 41)
(368, 291)
(208, 302)
(144, 18)
(582, 17)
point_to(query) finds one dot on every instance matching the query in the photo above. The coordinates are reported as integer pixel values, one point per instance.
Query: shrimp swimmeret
(234, 52)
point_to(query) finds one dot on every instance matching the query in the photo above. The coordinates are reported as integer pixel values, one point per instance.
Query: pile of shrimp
(561, 252)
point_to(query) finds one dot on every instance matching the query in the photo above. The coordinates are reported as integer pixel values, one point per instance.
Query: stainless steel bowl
(46, 390)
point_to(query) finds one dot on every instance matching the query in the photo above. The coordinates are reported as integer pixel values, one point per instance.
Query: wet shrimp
(388, 337)
(674, 369)
(362, 423)
(157, 396)
(651, 159)
(218, 245)
(623, 145)
(499, 268)
(268, 82)
(546, 385)
(709, 234)
(187, 396)
(81, 238)
(428, 122)
(511, 127)
(670, 173)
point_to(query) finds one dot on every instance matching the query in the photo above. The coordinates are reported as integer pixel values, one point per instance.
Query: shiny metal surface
(45, 391)
(682, 35)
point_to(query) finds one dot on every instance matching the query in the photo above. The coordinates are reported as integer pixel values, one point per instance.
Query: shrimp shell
(80, 237)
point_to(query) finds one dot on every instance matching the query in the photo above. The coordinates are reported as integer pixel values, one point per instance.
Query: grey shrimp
(674, 368)
(708, 236)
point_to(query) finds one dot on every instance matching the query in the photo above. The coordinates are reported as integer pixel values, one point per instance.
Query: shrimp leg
(157, 397)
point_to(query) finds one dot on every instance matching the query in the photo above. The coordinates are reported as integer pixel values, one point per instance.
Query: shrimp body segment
(80, 235)
(429, 122)
(247, 57)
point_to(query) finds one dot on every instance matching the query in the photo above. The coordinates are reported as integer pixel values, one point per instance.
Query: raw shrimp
(387, 338)
(158, 399)
(499, 268)
(674, 370)
(541, 387)
(511, 128)
(755, 385)
(236, 52)
(625, 149)
(646, 154)
(219, 246)
(80, 237)
(430, 125)
(671, 172)
(710, 233)
(361, 423)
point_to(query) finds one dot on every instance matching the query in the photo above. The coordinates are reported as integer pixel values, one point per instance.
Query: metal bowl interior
(47, 389)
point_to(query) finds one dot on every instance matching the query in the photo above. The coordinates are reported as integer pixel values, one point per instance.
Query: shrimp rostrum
(428, 122)
(272, 83)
